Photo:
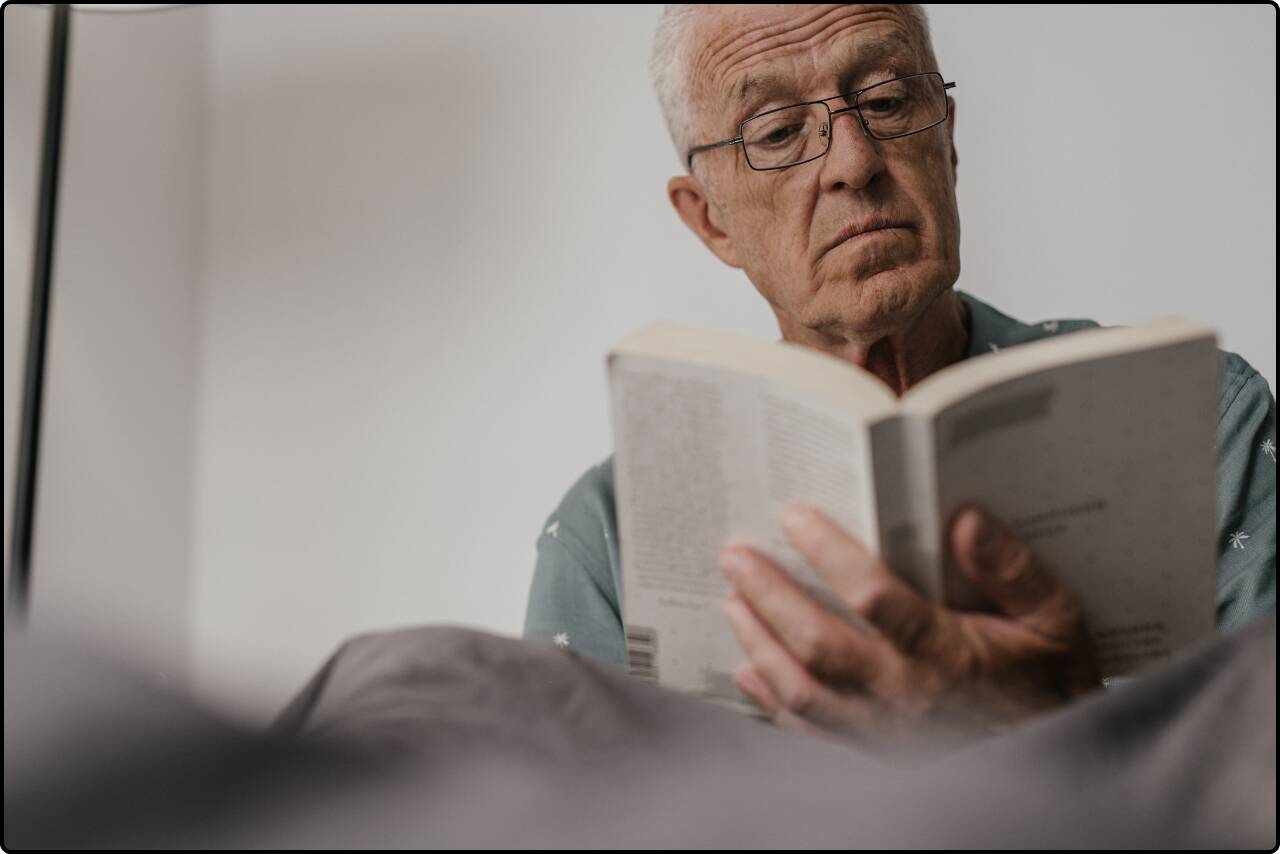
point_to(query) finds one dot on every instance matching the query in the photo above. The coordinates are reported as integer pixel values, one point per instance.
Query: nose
(853, 157)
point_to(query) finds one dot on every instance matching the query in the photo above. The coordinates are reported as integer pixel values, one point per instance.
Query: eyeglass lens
(795, 134)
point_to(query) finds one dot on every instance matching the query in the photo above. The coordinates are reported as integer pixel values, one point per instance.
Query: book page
(704, 456)
(1106, 468)
(818, 375)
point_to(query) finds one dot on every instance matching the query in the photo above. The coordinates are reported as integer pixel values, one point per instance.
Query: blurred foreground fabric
(441, 736)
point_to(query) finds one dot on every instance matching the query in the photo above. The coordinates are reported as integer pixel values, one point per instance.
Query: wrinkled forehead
(741, 57)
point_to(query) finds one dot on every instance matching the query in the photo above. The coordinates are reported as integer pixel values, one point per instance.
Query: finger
(759, 692)
(792, 688)
(831, 715)
(821, 642)
(858, 577)
(750, 683)
(1000, 565)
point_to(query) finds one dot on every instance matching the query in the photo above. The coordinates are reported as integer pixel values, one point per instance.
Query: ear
(689, 198)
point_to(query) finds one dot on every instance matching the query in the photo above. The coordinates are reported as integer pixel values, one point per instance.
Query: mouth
(864, 229)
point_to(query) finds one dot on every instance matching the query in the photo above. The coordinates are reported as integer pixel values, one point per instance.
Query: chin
(871, 305)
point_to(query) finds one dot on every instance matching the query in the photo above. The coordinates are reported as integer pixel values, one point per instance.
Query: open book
(1096, 448)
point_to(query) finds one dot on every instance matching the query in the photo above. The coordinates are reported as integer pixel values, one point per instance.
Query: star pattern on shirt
(1269, 448)
(554, 529)
(1049, 326)
(1237, 539)
(561, 640)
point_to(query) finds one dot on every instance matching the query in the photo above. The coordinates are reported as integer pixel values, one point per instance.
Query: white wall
(111, 558)
(1119, 162)
(425, 225)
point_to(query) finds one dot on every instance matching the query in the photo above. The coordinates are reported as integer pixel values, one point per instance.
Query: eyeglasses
(789, 136)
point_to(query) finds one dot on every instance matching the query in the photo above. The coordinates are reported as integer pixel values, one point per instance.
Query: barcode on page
(642, 648)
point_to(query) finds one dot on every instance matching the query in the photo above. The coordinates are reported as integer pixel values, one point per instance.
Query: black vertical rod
(24, 504)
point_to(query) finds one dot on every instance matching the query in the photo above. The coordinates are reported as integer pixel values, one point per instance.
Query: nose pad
(824, 129)
(854, 116)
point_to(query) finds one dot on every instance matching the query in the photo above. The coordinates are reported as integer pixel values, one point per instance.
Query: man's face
(782, 226)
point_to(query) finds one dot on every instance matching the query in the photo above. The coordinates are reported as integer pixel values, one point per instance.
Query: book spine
(903, 463)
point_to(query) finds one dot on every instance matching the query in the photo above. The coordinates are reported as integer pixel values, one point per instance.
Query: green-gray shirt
(573, 600)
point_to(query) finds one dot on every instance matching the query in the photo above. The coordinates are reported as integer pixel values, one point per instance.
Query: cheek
(939, 189)
(776, 246)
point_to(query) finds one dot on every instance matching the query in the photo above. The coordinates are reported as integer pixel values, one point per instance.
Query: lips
(863, 227)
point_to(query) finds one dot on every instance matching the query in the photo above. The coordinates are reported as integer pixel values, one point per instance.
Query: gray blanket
(448, 737)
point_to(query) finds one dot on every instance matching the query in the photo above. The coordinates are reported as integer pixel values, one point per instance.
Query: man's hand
(913, 669)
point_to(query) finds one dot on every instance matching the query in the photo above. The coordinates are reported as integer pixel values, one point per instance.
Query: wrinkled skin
(895, 669)
(899, 671)
(882, 301)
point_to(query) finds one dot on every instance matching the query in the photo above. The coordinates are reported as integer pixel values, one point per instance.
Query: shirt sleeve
(573, 598)
(1246, 504)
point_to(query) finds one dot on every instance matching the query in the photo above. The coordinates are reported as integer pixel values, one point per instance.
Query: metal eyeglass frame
(831, 114)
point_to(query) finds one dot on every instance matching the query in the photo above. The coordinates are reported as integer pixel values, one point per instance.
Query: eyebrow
(895, 47)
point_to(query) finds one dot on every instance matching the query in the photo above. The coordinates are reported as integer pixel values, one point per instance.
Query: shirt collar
(989, 330)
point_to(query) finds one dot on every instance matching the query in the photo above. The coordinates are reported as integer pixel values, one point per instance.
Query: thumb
(999, 564)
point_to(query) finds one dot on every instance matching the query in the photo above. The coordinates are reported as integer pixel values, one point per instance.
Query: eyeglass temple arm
(700, 148)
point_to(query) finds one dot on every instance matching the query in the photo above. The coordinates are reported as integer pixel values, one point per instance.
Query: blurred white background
(334, 285)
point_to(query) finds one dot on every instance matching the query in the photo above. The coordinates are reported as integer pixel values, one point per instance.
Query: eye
(781, 135)
(880, 106)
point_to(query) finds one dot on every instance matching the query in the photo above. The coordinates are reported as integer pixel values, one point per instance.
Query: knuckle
(917, 635)
(872, 599)
(971, 653)
(812, 645)
(972, 659)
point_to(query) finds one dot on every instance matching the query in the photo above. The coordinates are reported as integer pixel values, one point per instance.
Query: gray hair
(668, 65)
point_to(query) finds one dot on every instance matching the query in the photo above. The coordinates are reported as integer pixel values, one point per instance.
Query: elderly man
(806, 172)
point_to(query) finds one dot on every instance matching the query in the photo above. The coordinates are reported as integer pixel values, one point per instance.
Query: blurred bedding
(441, 736)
